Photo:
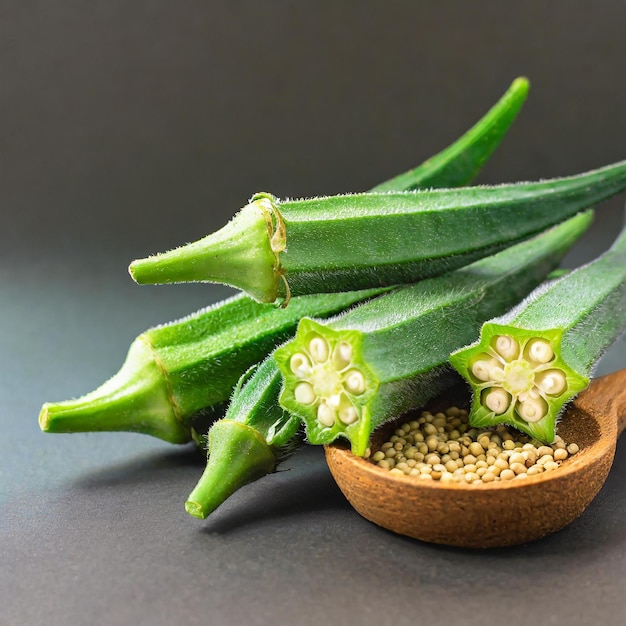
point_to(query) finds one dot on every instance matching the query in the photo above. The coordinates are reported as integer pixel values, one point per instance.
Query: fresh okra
(177, 373)
(175, 370)
(256, 433)
(250, 441)
(531, 361)
(364, 240)
(346, 376)
(461, 162)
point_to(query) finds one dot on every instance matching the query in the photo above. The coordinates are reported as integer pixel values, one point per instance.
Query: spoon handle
(608, 396)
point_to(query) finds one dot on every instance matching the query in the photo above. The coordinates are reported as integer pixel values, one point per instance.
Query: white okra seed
(300, 365)
(355, 382)
(304, 394)
(348, 414)
(334, 401)
(497, 400)
(342, 355)
(481, 369)
(319, 349)
(325, 415)
(540, 351)
(551, 382)
(560, 454)
(532, 410)
(507, 347)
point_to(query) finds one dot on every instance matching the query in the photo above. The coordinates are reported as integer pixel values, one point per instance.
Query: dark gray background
(130, 127)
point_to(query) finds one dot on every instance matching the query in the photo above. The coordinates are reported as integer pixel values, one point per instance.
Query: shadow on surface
(301, 488)
(145, 468)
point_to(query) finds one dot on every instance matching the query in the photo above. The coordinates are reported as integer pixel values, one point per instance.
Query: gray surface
(131, 127)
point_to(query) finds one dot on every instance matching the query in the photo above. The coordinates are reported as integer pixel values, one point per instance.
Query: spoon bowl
(497, 514)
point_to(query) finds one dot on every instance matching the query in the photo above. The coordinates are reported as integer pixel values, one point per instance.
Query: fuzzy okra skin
(529, 363)
(175, 370)
(254, 436)
(256, 433)
(460, 162)
(356, 241)
(177, 375)
(347, 375)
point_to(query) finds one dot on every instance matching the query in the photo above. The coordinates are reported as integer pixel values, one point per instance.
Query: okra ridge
(519, 378)
(327, 382)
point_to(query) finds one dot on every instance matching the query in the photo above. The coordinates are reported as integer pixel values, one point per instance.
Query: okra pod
(175, 370)
(248, 443)
(347, 375)
(176, 373)
(355, 241)
(529, 363)
(461, 162)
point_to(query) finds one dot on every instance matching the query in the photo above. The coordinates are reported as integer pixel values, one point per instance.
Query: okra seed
(319, 349)
(540, 351)
(497, 400)
(507, 454)
(342, 356)
(518, 468)
(325, 415)
(560, 454)
(430, 429)
(517, 457)
(482, 367)
(348, 415)
(507, 347)
(476, 449)
(300, 365)
(551, 382)
(304, 393)
(355, 382)
(532, 410)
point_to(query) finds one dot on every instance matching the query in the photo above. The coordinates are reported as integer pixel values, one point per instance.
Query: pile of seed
(443, 446)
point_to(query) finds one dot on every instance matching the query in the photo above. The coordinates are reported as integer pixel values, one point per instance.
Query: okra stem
(356, 241)
(248, 443)
(347, 375)
(529, 363)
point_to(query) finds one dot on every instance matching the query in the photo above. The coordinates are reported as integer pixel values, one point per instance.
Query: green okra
(176, 370)
(461, 162)
(254, 436)
(256, 433)
(348, 375)
(530, 362)
(356, 241)
(177, 376)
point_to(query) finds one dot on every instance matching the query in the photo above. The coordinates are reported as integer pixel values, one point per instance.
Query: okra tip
(136, 399)
(242, 254)
(238, 455)
(44, 418)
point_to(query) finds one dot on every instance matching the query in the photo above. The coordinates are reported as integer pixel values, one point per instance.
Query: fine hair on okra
(530, 362)
(174, 371)
(256, 433)
(353, 241)
(177, 376)
(347, 375)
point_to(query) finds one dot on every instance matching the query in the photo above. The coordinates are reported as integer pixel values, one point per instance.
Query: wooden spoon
(495, 514)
